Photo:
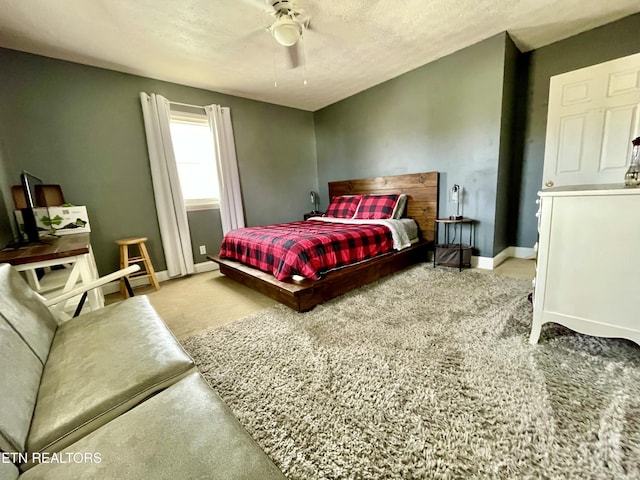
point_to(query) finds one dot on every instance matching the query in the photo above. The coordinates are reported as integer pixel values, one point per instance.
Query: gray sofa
(109, 394)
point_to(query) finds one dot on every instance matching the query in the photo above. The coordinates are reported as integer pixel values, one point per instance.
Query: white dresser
(588, 268)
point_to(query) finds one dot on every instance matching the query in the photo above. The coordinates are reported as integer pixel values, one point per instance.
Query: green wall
(478, 116)
(7, 233)
(444, 116)
(507, 185)
(202, 233)
(81, 127)
(608, 42)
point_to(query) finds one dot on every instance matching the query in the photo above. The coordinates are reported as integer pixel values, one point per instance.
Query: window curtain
(231, 211)
(172, 215)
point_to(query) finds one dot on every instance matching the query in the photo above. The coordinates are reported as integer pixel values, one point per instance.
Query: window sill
(206, 206)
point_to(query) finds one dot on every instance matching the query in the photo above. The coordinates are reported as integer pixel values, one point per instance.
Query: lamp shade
(286, 31)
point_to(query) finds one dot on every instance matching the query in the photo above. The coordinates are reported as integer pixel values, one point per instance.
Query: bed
(325, 282)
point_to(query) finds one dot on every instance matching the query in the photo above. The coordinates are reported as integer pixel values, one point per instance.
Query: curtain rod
(186, 105)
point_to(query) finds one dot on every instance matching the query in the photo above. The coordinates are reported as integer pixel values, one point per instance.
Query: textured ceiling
(222, 45)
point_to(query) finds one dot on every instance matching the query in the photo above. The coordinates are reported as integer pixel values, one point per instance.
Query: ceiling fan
(290, 23)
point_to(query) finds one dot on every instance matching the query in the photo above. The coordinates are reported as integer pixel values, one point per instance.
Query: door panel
(570, 148)
(616, 147)
(594, 113)
(624, 82)
(575, 93)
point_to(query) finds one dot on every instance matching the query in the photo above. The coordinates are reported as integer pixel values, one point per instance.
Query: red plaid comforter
(306, 248)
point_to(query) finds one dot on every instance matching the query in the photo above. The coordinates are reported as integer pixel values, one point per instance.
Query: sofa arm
(83, 289)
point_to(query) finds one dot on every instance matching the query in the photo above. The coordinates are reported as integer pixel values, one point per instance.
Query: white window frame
(195, 204)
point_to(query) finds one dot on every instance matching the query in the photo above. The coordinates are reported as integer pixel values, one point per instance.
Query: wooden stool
(126, 260)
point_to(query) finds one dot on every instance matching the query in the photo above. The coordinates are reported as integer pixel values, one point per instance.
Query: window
(195, 159)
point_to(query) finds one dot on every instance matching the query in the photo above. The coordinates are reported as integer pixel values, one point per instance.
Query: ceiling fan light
(286, 31)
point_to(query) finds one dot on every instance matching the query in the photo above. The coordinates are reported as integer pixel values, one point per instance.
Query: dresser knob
(549, 183)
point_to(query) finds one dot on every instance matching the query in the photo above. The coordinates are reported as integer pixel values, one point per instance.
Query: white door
(594, 113)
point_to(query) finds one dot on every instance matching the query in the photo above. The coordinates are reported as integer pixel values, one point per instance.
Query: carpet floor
(428, 374)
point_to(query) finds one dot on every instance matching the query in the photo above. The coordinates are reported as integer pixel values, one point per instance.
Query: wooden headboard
(421, 190)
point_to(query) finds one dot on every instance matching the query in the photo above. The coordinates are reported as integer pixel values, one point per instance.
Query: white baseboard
(162, 276)
(486, 263)
(489, 263)
(528, 253)
(206, 267)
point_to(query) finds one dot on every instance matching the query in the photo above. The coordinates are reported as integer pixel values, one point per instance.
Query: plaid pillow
(377, 206)
(343, 206)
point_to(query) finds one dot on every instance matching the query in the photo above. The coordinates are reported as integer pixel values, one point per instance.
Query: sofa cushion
(22, 308)
(100, 365)
(8, 471)
(20, 372)
(186, 431)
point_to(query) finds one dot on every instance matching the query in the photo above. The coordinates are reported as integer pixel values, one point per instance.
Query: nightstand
(453, 254)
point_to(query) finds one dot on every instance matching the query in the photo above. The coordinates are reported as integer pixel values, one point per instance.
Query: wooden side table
(453, 254)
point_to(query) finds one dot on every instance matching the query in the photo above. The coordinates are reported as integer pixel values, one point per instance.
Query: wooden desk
(73, 250)
(60, 247)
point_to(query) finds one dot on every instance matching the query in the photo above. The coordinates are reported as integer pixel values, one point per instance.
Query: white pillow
(398, 210)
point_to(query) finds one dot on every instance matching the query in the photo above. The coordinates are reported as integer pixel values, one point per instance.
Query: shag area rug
(428, 374)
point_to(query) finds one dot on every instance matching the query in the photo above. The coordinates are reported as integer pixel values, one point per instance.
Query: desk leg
(95, 298)
(93, 269)
(71, 282)
(32, 279)
(72, 279)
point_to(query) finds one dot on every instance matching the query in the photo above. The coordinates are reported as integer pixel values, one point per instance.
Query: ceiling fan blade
(293, 55)
(256, 3)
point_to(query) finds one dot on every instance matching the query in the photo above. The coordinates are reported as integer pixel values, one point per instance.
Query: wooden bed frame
(422, 205)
